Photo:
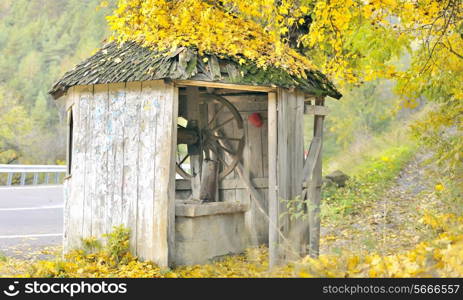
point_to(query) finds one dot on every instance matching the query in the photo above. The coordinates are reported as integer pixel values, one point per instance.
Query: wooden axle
(187, 136)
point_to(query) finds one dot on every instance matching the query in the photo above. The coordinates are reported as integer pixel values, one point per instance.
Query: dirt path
(390, 224)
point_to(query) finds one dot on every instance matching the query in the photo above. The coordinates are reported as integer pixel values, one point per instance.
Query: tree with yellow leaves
(352, 41)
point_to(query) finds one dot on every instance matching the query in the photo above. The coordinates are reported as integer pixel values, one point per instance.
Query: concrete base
(205, 232)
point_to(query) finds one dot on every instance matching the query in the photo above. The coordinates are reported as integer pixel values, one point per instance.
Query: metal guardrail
(25, 170)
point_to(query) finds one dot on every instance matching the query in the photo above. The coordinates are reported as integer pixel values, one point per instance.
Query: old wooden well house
(195, 154)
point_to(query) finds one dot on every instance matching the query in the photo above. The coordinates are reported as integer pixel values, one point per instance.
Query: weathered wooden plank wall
(123, 165)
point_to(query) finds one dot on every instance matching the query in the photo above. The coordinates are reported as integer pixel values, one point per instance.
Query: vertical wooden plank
(303, 226)
(243, 194)
(69, 129)
(297, 156)
(74, 206)
(193, 111)
(252, 167)
(115, 131)
(67, 185)
(272, 178)
(255, 165)
(290, 162)
(164, 172)
(131, 159)
(156, 186)
(264, 141)
(87, 101)
(211, 110)
(148, 112)
(85, 95)
(265, 173)
(101, 147)
(315, 199)
(231, 130)
(158, 99)
(298, 227)
(284, 150)
(172, 173)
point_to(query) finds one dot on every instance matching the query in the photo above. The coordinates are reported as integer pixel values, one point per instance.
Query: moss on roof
(132, 62)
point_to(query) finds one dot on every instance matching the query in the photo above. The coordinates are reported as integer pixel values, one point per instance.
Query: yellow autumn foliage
(439, 257)
(166, 25)
(351, 41)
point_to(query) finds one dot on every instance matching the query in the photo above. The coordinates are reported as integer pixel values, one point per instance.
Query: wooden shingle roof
(132, 62)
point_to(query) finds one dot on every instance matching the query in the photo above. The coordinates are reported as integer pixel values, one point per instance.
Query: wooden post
(272, 178)
(290, 148)
(211, 110)
(315, 191)
(193, 112)
(171, 187)
(297, 227)
(209, 181)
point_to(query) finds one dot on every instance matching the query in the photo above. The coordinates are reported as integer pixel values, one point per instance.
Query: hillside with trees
(39, 41)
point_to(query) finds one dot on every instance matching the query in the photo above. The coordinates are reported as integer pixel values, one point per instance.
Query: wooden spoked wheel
(220, 139)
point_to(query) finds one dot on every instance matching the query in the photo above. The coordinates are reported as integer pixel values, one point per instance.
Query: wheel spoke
(222, 125)
(184, 159)
(225, 149)
(215, 137)
(211, 146)
(224, 162)
(216, 114)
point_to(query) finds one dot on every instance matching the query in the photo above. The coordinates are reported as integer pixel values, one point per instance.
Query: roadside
(31, 221)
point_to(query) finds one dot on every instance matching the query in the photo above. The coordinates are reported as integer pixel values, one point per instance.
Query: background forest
(39, 41)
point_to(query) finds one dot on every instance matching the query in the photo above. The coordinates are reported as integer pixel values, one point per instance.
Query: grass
(373, 176)
(373, 162)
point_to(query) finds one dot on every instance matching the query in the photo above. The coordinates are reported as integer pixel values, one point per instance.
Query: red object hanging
(256, 120)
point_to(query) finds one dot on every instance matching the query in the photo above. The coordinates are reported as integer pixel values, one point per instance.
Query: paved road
(31, 218)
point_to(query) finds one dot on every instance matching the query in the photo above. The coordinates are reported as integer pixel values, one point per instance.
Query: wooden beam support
(187, 136)
(242, 87)
(193, 114)
(173, 109)
(226, 184)
(272, 179)
(209, 181)
(315, 190)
